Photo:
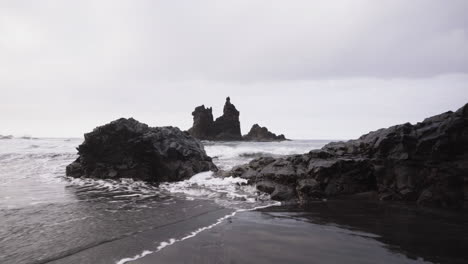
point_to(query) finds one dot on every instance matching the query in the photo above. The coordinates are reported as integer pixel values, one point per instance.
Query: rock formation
(225, 127)
(203, 124)
(258, 133)
(6, 137)
(126, 148)
(425, 163)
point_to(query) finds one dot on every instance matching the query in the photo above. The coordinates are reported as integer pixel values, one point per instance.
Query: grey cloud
(67, 66)
(238, 40)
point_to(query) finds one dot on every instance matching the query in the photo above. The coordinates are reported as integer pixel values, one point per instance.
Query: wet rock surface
(426, 163)
(258, 133)
(126, 148)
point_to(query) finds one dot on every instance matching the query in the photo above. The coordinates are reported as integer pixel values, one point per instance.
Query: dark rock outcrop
(225, 127)
(6, 137)
(203, 124)
(425, 163)
(258, 133)
(126, 148)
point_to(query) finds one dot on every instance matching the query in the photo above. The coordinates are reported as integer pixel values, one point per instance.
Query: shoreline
(330, 232)
(196, 215)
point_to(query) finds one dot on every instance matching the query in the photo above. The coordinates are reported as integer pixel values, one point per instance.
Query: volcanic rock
(224, 128)
(227, 126)
(258, 133)
(425, 163)
(203, 124)
(126, 148)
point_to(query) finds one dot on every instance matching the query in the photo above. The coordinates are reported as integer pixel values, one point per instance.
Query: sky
(308, 69)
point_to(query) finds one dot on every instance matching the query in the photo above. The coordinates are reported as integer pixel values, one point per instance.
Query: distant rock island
(226, 127)
(258, 133)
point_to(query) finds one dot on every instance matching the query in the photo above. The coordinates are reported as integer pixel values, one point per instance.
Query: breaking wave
(33, 183)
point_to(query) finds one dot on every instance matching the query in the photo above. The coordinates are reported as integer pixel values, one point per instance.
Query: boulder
(276, 191)
(425, 163)
(126, 148)
(258, 133)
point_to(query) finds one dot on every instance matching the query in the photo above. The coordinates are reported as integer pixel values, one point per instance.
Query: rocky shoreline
(425, 163)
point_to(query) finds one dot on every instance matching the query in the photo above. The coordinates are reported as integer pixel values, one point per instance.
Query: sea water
(46, 216)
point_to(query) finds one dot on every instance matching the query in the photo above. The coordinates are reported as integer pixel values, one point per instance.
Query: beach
(327, 232)
(49, 218)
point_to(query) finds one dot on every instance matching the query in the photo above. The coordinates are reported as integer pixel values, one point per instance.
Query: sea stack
(227, 126)
(224, 128)
(126, 148)
(262, 134)
(203, 124)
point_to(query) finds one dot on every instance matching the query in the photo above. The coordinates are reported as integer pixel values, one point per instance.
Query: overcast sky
(308, 69)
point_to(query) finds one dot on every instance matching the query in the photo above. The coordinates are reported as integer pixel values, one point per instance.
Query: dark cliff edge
(226, 127)
(425, 163)
(126, 148)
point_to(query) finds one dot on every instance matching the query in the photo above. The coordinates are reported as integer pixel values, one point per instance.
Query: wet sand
(332, 232)
(103, 248)
(323, 232)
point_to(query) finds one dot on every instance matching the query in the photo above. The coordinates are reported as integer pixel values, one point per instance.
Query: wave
(10, 157)
(255, 154)
(229, 192)
(230, 154)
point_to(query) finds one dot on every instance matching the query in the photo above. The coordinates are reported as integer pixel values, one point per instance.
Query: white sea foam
(229, 191)
(229, 154)
(39, 171)
(172, 241)
(128, 185)
(125, 260)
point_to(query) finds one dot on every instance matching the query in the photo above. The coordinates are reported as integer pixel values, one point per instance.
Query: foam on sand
(172, 241)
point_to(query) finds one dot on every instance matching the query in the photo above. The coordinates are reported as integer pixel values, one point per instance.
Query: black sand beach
(330, 232)
(159, 229)
(233, 132)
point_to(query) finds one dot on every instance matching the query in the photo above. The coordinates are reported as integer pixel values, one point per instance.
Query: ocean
(46, 217)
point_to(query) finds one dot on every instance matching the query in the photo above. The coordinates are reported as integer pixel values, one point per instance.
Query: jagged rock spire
(225, 127)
